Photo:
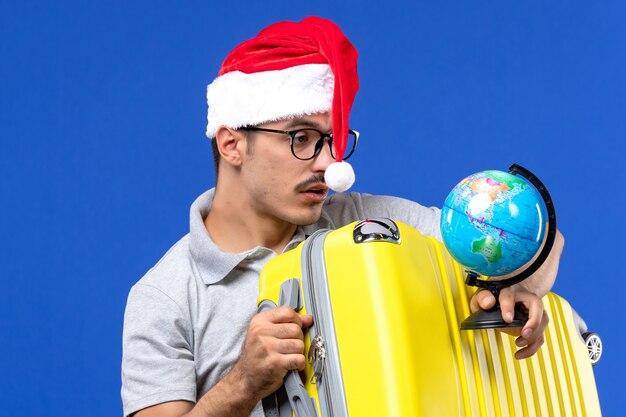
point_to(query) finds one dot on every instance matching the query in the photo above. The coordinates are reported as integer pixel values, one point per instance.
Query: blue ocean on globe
(493, 222)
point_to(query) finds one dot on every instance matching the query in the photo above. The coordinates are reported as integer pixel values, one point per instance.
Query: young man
(278, 118)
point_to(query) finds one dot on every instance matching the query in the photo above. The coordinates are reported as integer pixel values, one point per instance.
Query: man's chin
(308, 219)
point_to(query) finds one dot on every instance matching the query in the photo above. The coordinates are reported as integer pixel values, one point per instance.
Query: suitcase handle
(301, 402)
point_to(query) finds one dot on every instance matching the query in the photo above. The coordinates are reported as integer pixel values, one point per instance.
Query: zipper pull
(317, 357)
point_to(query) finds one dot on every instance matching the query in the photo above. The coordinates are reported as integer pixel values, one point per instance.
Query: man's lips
(317, 188)
(316, 192)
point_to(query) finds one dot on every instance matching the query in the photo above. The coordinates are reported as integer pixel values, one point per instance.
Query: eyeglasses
(306, 144)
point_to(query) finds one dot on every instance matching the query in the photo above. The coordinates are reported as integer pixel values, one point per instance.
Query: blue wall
(102, 117)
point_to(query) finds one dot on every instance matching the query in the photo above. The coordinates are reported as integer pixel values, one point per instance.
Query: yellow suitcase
(387, 304)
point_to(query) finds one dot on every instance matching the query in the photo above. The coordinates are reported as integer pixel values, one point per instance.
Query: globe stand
(492, 318)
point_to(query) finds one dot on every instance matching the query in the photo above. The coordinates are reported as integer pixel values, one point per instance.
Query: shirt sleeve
(342, 209)
(157, 359)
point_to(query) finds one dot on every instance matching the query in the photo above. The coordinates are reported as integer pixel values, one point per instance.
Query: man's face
(279, 185)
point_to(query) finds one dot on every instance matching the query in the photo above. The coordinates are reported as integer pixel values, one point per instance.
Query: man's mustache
(316, 179)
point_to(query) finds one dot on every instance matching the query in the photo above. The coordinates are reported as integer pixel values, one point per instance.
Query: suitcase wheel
(594, 346)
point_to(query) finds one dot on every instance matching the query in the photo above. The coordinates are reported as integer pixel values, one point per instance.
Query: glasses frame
(318, 145)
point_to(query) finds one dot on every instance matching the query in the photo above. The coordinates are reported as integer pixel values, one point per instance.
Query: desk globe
(494, 223)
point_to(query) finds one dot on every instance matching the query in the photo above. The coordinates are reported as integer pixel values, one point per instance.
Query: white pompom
(339, 176)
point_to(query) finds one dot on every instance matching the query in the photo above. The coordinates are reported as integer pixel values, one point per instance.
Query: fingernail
(509, 317)
(520, 341)
(527, 332)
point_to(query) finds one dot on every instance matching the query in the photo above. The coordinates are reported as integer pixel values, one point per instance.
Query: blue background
(102, 118)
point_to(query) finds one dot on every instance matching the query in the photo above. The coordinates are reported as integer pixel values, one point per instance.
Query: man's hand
(529, 293)
(530, 336)
(273, 345)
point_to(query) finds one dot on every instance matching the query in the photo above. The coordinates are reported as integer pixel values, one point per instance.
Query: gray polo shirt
(186, 319)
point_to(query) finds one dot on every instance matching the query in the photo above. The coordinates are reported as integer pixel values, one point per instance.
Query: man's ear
(229, 144)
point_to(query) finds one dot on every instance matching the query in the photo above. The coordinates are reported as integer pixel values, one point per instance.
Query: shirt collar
(213, 263)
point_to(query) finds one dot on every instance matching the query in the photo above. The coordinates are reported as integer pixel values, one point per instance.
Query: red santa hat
(290, 69)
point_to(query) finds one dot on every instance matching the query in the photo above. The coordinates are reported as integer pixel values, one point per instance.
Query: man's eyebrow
(297, 122)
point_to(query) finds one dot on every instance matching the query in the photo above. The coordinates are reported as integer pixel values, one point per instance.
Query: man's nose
(323, 159)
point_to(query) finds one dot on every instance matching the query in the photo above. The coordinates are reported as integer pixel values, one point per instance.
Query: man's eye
(301, 138)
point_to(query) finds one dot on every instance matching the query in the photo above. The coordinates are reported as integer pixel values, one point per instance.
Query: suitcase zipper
(323, 348)
(317, 357)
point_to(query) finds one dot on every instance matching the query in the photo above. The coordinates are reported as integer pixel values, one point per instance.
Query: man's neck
(235, 227)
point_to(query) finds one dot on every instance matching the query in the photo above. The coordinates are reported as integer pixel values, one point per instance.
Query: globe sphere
(493, 223)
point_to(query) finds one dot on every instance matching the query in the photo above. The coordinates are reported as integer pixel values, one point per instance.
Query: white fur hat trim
(237, 99)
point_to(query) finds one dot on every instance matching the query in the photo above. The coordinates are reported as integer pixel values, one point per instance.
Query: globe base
(492, 319)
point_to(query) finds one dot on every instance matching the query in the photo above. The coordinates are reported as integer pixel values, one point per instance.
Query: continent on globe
(486, 191)
(489, 186)
(489, 247)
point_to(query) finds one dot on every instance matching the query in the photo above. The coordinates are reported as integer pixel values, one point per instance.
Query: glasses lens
(350, 145)
(303, 143)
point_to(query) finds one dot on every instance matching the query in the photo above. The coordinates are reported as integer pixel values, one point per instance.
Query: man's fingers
(482, 299)
(295, 362)
(287, 314)
(507, 304)
(531, 341)
(286, 331)
(530, 349)
(284, 314)
(307, 320)
(273, 345)
(534, 325)
(289, 346)
(529, 337)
